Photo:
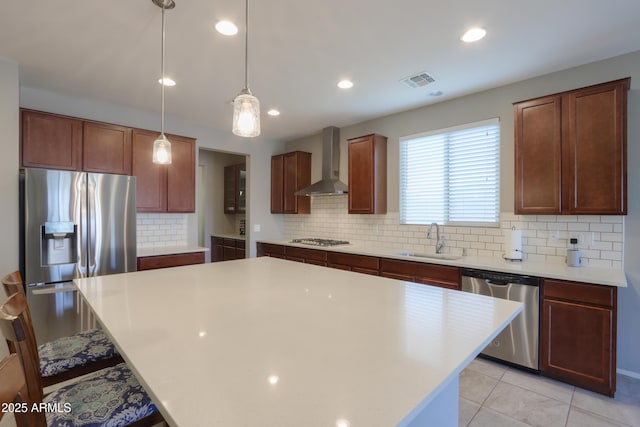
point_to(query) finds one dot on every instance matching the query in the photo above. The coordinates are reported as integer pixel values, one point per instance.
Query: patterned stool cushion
(76, 350)
(111, 398)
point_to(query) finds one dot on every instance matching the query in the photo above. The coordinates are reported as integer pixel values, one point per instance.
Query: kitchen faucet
(439, 239)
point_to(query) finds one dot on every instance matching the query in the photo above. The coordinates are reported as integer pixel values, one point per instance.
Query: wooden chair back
(13, 389)
(13, 283)
(15, 330)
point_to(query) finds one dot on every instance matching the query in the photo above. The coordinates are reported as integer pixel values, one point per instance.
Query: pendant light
(246, 107)
(162, 146)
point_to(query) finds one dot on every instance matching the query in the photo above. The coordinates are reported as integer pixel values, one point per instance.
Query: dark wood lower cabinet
(352, 262)
(444, 276)
(268, 249)
(226, 249)
(578, 334)
(309, 256)
(173, 260)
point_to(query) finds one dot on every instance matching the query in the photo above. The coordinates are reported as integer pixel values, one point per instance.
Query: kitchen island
(267, 342)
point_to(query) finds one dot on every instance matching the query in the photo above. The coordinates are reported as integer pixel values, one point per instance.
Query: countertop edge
(592, 275)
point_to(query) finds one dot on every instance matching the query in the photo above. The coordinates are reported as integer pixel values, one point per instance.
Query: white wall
(9, 134)
(498, 103)
(258, 150)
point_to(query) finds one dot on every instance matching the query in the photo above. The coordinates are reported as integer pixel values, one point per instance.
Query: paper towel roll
(513, 245)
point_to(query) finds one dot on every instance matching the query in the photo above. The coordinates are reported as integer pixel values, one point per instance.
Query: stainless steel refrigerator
(74, 224)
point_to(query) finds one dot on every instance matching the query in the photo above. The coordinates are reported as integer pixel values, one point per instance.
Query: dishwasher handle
(497, 282)
(501, 279)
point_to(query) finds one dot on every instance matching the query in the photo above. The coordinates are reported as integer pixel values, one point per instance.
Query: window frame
(447, 206)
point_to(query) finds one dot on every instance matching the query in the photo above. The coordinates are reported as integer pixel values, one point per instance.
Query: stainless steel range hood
(330, 182)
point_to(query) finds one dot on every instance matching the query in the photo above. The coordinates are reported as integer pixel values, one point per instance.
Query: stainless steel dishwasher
(517, 344)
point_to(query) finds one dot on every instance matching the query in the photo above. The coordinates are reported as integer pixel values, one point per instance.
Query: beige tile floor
(493, 395)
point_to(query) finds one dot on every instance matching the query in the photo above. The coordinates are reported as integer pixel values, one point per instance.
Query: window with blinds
(451, 176)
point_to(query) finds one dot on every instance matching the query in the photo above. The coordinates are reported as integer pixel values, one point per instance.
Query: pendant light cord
(246, 45)
(162, 78)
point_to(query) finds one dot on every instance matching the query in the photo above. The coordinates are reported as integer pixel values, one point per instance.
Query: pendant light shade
(162, 146)
(246, 115)
(246, 107)
(162, 150)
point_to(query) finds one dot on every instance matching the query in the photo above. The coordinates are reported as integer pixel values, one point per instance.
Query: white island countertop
(597, 276)
(264, 342)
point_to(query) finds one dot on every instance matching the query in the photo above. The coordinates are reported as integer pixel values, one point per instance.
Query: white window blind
(451, 176)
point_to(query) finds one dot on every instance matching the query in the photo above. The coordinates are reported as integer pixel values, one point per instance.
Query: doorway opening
(222, 199)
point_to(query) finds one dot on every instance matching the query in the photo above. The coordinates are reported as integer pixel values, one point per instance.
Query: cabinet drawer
(307, 254)
(268, 249)
(579, 292)
(351, 260)
(229, 242)
(165, 261)
(426, 273)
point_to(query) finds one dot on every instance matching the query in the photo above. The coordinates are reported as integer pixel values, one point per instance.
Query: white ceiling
(299, 49)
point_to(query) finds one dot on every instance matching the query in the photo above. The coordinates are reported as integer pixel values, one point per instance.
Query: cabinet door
(277, 184)
(597, 149)
(151, 179)
(106, 148)
(361, 176)
(216, 249)
(181, 175)
(297, 175)
(577, 345)
(230, 186)
(50, 141)
(241, 191)
(368, 175)
(538, 156)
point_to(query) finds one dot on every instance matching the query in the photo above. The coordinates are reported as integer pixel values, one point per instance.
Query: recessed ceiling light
(473, 35)
(227, 28)
(167, 81)
(273, 112)
(345, 84)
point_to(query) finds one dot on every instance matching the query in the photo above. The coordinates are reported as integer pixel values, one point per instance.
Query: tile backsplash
(157, 230)
(545, 238)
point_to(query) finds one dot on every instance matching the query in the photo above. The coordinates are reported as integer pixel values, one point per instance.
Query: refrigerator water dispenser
(59, 243)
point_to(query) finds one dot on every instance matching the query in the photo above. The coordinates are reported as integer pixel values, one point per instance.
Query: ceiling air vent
(418, 80)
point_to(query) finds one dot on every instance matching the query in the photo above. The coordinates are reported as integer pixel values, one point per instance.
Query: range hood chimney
(330, 182)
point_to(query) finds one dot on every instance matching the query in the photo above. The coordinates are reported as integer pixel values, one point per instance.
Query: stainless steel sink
(430, 255)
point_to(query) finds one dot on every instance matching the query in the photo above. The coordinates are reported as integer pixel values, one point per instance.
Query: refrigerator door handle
(81, 219)
(93, 220)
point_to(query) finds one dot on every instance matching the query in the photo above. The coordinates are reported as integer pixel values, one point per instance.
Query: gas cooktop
(320, 242)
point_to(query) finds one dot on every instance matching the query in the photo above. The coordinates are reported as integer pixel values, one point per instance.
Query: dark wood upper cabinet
(151, 179)
(290, 172)
(597, 148)
(538, 155)
(181, 175)
(368, 175)
(50, 141)
(106, 148)
(235, 188)
(571, 152)
(277, 184)
(164, 188)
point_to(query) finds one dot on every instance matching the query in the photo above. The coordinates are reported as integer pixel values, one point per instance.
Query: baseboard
(631, 374)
